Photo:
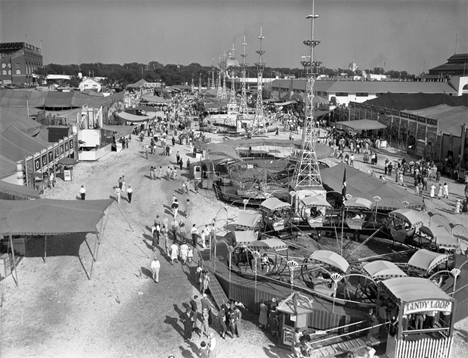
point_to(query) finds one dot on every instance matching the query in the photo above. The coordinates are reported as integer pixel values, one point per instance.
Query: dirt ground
(58, 312)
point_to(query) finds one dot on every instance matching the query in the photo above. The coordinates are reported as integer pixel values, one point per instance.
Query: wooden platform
(343, 345)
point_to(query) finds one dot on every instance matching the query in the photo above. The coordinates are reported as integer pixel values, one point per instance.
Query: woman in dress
(440, 192)
(263, 318)
(184, 252)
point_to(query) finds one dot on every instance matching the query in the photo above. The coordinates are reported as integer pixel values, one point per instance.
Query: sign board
(67, 175)
(427, 305)
(288, 337)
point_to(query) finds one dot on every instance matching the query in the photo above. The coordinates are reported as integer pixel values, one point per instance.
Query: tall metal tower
(307, 173)
(192, 86)
(219, 92)
(232, 105)
(223, 91)
(259, 123)
(213, 85)
(243, 109)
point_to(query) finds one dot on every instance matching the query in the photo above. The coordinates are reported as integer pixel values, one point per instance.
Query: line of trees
(117, 75)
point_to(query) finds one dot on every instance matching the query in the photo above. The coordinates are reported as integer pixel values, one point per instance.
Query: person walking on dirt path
(205, 327)
(129, 194)
(212, 346)
(177, 157)
(446, 191)
(181, 165)
(83, 193)
(184, 252)
(118, 194)
(194, 233)
(152, 175)
(123, 184)
(175, 207)
(155, 266)
(187, 208)
(165, 233)
(194, 306)
(222, 321)
(173, 141)
(440, 192)
(184, 188)
(433, 189)
(174, 229)
(174, 253)
(187, 320)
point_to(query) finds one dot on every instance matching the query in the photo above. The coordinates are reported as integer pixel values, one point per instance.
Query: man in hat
(155, 266)
(83, 192)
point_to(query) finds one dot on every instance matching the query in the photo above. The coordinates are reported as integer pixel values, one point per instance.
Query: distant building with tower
(18, 62)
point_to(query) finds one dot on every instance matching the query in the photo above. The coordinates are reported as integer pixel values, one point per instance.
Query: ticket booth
(420, 313)
(294, 309)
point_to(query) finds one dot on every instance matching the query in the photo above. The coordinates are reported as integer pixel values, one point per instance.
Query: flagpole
(343, 194)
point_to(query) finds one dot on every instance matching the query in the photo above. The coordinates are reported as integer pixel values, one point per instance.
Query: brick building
(18, 61)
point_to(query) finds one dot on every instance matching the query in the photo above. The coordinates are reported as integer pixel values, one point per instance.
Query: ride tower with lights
(307, 172)
(219, 91)
(232, 105)
(259, 122)
(243, 108)
(224, 71)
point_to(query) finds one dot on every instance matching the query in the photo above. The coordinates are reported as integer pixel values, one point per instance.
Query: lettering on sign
(37, 164)
(427, 305)
(287, 337)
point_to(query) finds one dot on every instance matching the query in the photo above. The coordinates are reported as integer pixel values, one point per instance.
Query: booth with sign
(421, 324)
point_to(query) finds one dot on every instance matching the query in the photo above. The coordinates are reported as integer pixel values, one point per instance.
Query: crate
(6, 261)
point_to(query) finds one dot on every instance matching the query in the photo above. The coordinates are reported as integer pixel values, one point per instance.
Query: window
(18, 72)
(341, 94)
(9, 72)
(3, 65)
(362, 94)
(4, 72)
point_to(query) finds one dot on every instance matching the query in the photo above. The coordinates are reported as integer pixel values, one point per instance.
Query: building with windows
(456, 65)
(18, 61)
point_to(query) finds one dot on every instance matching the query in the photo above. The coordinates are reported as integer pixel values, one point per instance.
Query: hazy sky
(398, 34)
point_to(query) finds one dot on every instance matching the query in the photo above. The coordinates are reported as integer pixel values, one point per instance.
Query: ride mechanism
(243, 109)
(307, 173)
(232, 105)
(259, 122)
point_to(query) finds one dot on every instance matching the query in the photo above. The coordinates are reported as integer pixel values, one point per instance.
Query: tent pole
(45, 248)
(14, 260)
(98, 241)
(94, 255)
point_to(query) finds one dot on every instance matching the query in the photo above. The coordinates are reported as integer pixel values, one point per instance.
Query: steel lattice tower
(223, 91)
(232, 105)
(192, 86)
(243, 108)
(219, 92)
(307, 172)
(259, 123)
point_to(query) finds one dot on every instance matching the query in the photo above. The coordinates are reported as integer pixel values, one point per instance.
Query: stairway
(216, 290)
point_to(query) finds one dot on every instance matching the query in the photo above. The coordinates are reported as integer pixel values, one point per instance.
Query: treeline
(120, 75)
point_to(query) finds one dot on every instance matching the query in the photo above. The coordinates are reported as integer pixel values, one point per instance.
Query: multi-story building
(18, 61)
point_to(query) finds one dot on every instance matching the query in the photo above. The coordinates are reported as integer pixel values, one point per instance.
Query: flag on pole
(343, 189)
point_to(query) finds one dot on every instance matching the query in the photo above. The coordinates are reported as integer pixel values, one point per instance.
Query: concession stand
(421, 324)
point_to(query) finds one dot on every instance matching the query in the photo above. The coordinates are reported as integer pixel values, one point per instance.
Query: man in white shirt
(155, 266)
(194, 233)
(83, 193)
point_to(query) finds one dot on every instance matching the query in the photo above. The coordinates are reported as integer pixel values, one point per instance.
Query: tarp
(408, 215)
(330, 258)
(381, 270)
(361, 125)
(409, 289)
(244, 237)
(316, 200)
(358, 203)
(362, 184)
(21, 191)
(269, 244)
(442, 238)
(273, 204)
(50, 217)
(248, 219)
(132, 118)
(426, 260)
(16, 145)
(137, 84)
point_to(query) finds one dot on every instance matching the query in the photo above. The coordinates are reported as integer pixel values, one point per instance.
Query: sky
(401, 35)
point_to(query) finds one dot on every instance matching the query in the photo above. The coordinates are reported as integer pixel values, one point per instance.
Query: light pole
(292, 265)
(376, 199)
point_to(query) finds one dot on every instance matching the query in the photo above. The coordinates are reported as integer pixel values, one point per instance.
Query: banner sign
(432, 122)
(427, 305)
(403, 115)
(421, 119)
(52, 155)
(37, 164)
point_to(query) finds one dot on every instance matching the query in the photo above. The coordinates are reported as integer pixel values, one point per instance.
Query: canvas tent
(133, 118)
(18, 191)
(137, 84)
(361, 125)
(362, 184)
(50, 217)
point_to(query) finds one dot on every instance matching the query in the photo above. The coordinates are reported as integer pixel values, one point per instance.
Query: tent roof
(154, 99)
(248, 219)
(316, 200)
(16, 145)
(361, 184)
(441, 236)
(50, 217)
(358, 203)
(362, 125)
(274, 204)
(7, 166)
(330, 258)
(409, 289)
(137, 84)
(273, 243)
(132, 118)
(244, 237)
(426, 260)
(408, 215)
(21, 191)
(401, 101)
(12, 117)
(382, 270)
(296, 303)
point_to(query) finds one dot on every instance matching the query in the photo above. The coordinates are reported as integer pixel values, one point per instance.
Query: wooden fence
(424, 348)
